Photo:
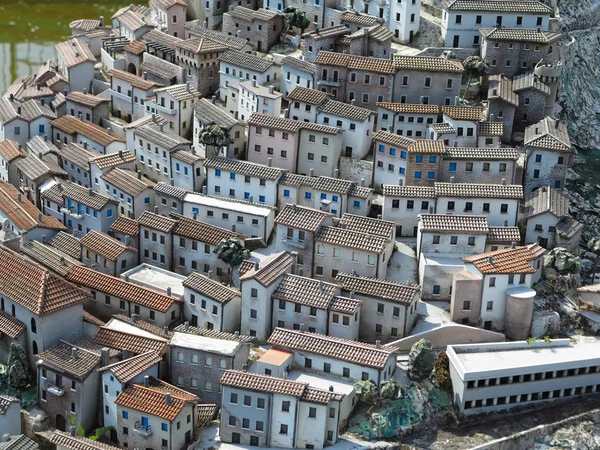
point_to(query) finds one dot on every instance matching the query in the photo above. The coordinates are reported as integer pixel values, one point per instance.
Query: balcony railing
(329, 81)
(56, 390)
(144, 430)
(292, 243)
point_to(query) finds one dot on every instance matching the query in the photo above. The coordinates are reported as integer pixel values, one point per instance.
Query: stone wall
(355, 170)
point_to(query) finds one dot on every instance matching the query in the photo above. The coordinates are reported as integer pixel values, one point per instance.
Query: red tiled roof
(133, 343)
(129, 368)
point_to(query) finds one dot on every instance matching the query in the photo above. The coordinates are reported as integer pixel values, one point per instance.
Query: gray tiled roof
(533, 35)
(169, 190)
(61, 357)
(68, 244)
(346, 110)
(529, 81)
(78, 155)
(352, 239)
(165, 137)
(547, 199)
(359, 18)
(447, 223)
(63, 190)
(503, 90)
(127, 181)
(159, 67)
(305, 291)
(35, 168)
(19, 442)
(180, 92)
(48, 256)
(375, 287)
(474, 190)
(503, 235)
(299, 64)
(328, 32)
(209, 113)
(306, 95)
(32, 110)
(243, 168)
(521, 6)
(487, 153)
(164, 39)
(394, 190)
(210, 288)
(246, 61)
(487, 128)
(301, 217)
(251, 15)
(549, 134)
(197, 29)
(369, 225)
(156, 222)
(37, 145)
(326, 184)
(213, 333)
(427, 64)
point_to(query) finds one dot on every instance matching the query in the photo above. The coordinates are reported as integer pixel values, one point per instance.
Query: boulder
(560, 259)
(421, 360)
(545, 323)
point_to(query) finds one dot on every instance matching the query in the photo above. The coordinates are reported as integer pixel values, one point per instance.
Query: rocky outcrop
(421, 360)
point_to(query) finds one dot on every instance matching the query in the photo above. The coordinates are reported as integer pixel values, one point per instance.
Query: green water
(29, 30)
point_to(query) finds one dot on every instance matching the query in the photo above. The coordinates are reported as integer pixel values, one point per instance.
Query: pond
(29, 30)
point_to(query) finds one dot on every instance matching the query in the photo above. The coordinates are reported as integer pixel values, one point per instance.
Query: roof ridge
(323, 337)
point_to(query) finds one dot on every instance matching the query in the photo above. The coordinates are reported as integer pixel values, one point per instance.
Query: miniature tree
(442, 371)
(475, 67)
(367, 391)
(19, 375)
(215, 136)
(232, 252)
(296, 19)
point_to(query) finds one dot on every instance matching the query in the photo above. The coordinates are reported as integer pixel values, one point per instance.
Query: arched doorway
(131, 68)
(61, 423)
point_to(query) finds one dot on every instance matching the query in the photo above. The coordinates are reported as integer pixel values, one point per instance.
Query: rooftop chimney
(18, 110)
(169, 291)
(186, 325)
(362, 182)
(311, 172)
(270, 162)
(101, 21)
(214, 99)
(168, 398)
(503, 182)
(156, 210)
(271, 89)
(162, 128)
(378, 343)
(336, 173)
(353, 101)
(43, 238)
(321, 285)
(187, 86)
(72, 431)
(556, 123)
(109, 130)
(490, 259)
(253, 83)
(400, 182)
(104, 356)
(145, 75)
(245, 367)
(74, 353)
(284, 375)
(46, 138)
(452, 179)
(513, 245)
(40, 217)
(166, 330)
(146, 381)
(139, 174)
(120, 153)
(19, 197)
(233, 227)
(505, 222)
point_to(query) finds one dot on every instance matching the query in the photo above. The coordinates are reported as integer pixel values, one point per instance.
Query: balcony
(329, 81)
(56, 390)
(166, 110)
(120, 95)
(72, 212)
(296, 244)
(144, 430)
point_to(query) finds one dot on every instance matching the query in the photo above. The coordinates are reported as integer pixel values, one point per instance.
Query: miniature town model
(233, 224)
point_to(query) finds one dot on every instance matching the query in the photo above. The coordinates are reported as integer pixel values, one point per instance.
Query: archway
(61, 423)
(131, 68)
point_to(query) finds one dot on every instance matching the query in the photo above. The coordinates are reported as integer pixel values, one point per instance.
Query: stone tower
(550, 73)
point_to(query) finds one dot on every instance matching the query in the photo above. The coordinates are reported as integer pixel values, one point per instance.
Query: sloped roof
(262, 383)
(151, 401)
(352, 239)
(471, 113)
(86, 99)
(355, 62)
(306, 95)
(210, 288)
(305, 291)
(133, 343)
(71, 125)
(210, 114)
(50, 257)
(125, 225)
(299, 64)
(521, 6)
(547, 199)
(67, 243)
(10, 326)
(548, 134)
(370, 225)
(507, 261)
(537, 36)
(505, 235)
(346, 110)
(130, 368)
(61, 357)
(163, 137)
(375, 287)
(427, 64)
(201, 231)
(409, 108)
(74, 52)
(11, 150)
(269, 268)
(504, 89)
(301, 217)
(475, 190)
(114, 159)
(243, 167)
(22, 213)
(156, 222)
(530, 81)
(478, 153)
(61, 191)
(454, 223)
(395, 190)
(105, 245)
(127, 181)
(197, 29)
(62, 439)
(78, 155)
(35, 168)
(246, 61)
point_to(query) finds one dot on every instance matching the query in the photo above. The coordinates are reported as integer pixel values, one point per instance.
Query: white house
(75, 160)
(106, 254)
(462, 19)
(128, 93)
(92, 108)
(242, 180)
(169, 16)
(236, 66)
(252, 219)
(10, 152)
(406, 119)
(67, 129)
(253, 97)
(304, 103)
(296, 72)
(76, 62)
(133, 191)
(175, 104)
(133, 21)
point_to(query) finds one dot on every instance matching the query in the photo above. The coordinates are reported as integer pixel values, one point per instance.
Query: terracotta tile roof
(24, 214)
(409, 108)
(412, 145)
(136, 47)
(114, 159)
(85, 24)
(126, 226)
(132, 18)
(369, 225)
(133, 343)
(359, 18)
(327, 33)
(201, 231)
(394, 190)
(479, 153)
(186, 328)
(127, 181)
(74, 52)
(61, 357)
(522, 6)
(305, 291)
(269, 268)
(202, 45)
(35, 168)
(163, 137)
(427, 64)
(78, 155)
(130, 368)
(379, 33)
(246, 61)
(170, 190)
(163, 387)
(318, 128)
(299, 64)
(134, 80)
(156, 222)
(105, 245)
(243, 167)
(251, 15)
(346, 110)
(35, 288)
(506, 261)
(447, 223)
(320, 396)
(136, 322)
(71, 126)
(150, 401)
(474, 190)
(547, 199)
(310, 96)
(505, 235)
(356, 352)
(196, 29)
(529, 81)
(501, 87)
(10, 326)
(374, 287)
(490, 128)
(10, 150)
(548, 134)
(48, 256)
(355, 62)
(537, 36)
(210, 288)
(62, 191)
(67, 243)
(295, 216)
(65, 440)
(86, 99)
(87, 317)
(472, 113)
(206, 414)
(279, 123)
(262, 383)
(352, 239)
(122, 289)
